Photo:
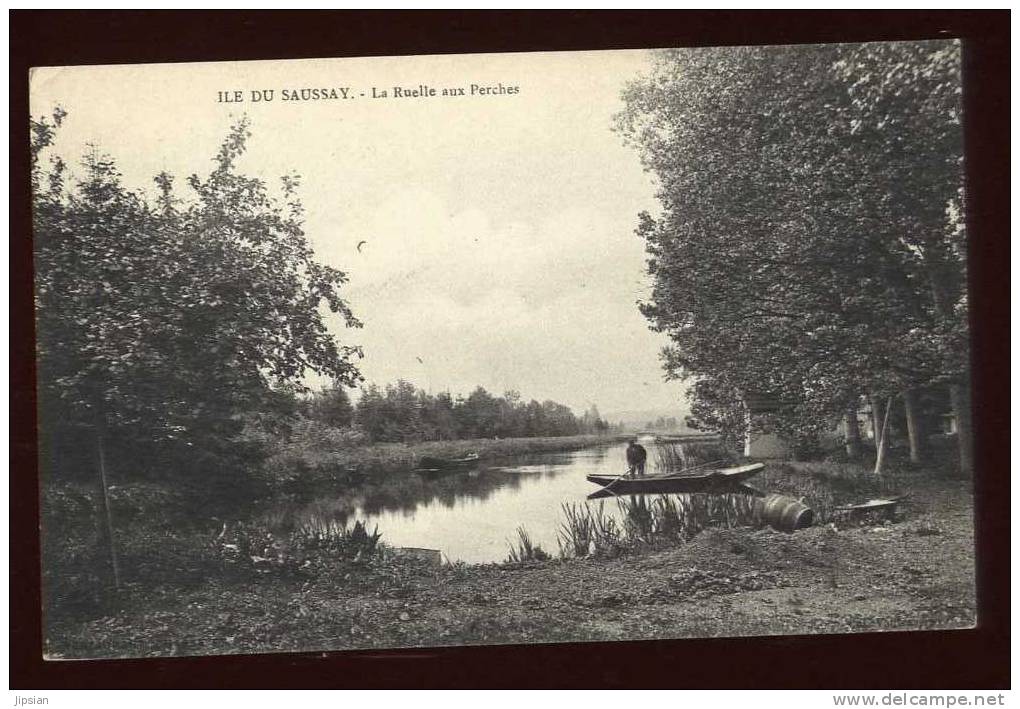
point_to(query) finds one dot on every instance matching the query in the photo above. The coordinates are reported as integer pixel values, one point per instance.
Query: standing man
(636, 457)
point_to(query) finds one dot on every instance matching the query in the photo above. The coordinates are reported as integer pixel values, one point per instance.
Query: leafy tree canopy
(809, 243)
(165, 318)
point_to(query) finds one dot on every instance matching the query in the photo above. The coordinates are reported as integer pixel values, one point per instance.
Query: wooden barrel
(785, 513)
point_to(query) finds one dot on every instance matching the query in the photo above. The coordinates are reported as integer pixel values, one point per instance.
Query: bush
(312, 450)
(807, 447)
(309, 545)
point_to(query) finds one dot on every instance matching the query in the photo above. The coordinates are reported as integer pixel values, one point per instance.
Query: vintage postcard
(502, 348)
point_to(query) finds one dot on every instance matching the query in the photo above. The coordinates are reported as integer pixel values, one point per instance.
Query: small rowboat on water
(716, 480)
(430, 464)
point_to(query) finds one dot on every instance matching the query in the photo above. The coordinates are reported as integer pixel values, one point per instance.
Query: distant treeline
(401, 412)
(663, 423)
(176, 328)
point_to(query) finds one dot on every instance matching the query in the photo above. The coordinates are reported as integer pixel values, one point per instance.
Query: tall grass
(675, 457)
(682, 517)
(587, 530)
(638, 520)
(825, 486)
(354, 542)
(525, 549)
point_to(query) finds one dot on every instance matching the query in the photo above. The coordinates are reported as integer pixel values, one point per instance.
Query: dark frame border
(976, 658)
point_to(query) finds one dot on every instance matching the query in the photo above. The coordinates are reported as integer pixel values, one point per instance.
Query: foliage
(331, 406)
(164, 320)
(525, 550)
(353, 542)
(311, 449)
(588, 530)
(401, 412)
(810, 244)
(682, 517)
(676, 457)
(662, 423)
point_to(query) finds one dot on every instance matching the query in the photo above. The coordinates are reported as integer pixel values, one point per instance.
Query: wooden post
(106, 507)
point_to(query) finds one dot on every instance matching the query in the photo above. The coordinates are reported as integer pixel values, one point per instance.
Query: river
(472, 515)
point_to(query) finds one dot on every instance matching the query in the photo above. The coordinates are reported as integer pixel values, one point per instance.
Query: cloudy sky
(499, 229)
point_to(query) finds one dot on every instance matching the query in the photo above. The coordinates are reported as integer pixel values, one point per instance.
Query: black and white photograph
(502, 349)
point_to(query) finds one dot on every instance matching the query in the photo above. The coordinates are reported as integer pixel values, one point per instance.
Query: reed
(587, 530)
(676, 457)
(669, 518)
(525, 549)
(638, 520)
(354, 542)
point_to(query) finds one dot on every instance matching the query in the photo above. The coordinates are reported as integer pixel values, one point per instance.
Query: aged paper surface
(410, 467)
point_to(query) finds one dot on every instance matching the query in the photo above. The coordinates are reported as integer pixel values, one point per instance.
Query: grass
(588, 531)
(166, 539)
(318, 460)
(525, 550)
(186, 591)
(675, 457)
(353, 542)
(825, 486)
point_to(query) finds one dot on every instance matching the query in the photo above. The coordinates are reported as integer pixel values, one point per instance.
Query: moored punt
(688, 438)
(430, 464)
(719, 480)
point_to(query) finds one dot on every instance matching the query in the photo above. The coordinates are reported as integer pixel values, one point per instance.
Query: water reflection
(468, 515)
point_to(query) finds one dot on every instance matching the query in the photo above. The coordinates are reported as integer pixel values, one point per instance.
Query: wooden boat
(885, 505)
(709, 480)
(430, 464)
(688, 438)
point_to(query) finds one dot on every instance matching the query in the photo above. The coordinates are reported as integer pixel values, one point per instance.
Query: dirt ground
(914, 572)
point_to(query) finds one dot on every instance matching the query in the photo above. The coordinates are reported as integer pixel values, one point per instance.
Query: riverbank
(915, 572)
(318, 461)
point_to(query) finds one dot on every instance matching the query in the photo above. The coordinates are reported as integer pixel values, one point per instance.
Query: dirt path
(915, 573)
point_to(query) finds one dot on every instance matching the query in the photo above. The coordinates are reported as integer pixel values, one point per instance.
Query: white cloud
(498, 234)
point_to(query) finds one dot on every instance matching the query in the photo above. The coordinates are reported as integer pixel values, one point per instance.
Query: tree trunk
(853, 433)
(747, 431)
(914, 433)
(881, 433)
(876, 418)
(106, 508)
(959, 394)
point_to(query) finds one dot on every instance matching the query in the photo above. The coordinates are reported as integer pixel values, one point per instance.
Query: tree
(797, 209)
(403, 407)
(370, 413)
(906, 102)
(161, 321)
(479, 414)
(332, 406)
(438, 416)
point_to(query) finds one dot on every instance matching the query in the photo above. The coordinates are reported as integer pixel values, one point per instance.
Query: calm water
(471, 515)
